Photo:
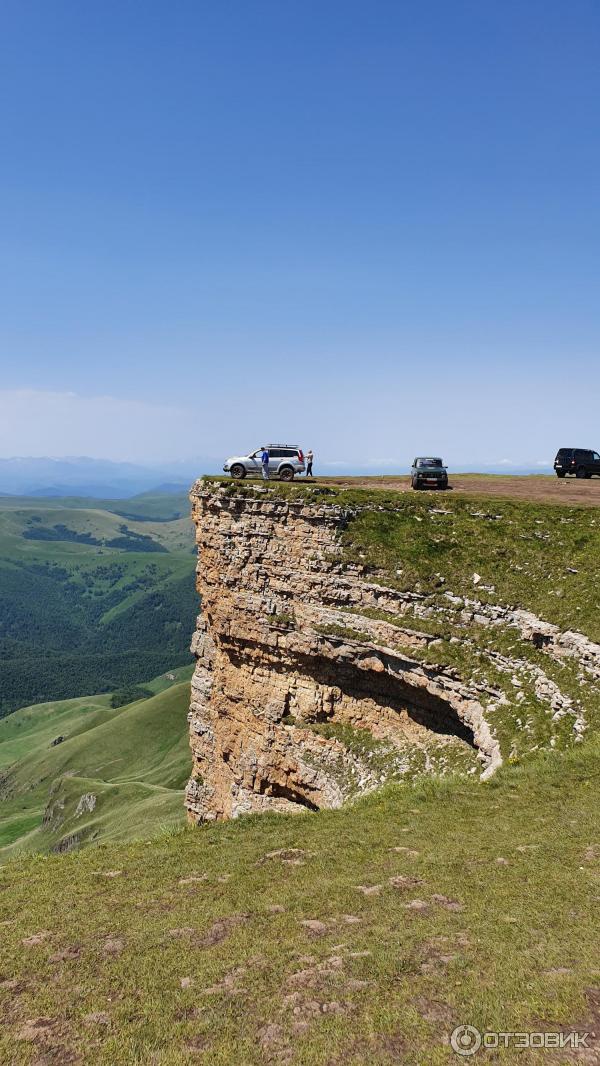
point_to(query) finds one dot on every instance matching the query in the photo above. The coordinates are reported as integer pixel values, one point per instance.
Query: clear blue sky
(371, 227)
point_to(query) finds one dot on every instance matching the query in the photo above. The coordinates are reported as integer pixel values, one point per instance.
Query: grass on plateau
(363, 935)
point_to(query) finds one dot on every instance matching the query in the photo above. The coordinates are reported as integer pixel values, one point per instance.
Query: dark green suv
(582, 462)
(428, 473)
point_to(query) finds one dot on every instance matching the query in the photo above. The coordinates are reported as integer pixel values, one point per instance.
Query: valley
(93, 594)
(77, 772)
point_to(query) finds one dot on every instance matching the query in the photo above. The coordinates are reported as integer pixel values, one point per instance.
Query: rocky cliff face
(296, 702)
(301, 698)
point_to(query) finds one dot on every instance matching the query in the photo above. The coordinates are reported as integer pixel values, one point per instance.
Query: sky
(372, 228)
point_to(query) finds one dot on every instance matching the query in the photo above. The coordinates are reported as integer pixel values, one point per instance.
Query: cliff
(320, 675)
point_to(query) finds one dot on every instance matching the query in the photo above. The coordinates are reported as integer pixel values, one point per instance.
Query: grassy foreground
(359, 936)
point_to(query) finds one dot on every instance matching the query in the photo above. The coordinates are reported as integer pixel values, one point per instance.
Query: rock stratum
(312, 683)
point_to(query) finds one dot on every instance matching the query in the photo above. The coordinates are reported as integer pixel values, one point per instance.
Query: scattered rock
(445, 901)
(186, 982)
(86, 805)
(402, 882)
(416, 905)
(275, 908)
(369, 890)
(112, 946)
(228, 984)
(335, 961)
(350, 919)
(314, 926)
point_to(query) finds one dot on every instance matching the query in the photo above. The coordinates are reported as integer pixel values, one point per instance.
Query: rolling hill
(93, 594)
(79, 771)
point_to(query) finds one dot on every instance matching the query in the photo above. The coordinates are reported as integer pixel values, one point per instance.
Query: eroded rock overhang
(299, 700)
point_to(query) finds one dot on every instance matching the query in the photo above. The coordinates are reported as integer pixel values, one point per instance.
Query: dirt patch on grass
(35, 939)
(590, 1023)
(220, 929)
(47, 1035)
(289, 856)
(71, 952)
(112, 946)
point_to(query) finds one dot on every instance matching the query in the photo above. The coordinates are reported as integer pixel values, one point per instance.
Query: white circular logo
(465, 1040)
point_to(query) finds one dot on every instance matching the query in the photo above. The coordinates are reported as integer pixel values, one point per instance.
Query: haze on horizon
(373, 229)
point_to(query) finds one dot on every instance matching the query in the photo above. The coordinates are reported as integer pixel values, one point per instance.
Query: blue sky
(373, 228)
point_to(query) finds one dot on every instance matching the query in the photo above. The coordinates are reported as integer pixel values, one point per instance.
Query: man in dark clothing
(309, 462)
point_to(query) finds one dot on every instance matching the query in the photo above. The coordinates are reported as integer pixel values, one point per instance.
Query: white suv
(284, 462)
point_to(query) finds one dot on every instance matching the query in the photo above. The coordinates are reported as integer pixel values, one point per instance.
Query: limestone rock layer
(298, 701)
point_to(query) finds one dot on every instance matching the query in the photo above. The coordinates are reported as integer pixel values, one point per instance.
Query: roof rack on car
(283, 445)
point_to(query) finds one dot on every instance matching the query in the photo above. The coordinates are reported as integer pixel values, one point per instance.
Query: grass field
(134, 762)
(359, 936)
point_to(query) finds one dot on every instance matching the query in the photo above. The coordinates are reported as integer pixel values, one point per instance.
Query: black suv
(429, 472)
(579, 461)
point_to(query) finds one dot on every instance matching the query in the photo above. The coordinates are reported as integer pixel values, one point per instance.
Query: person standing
(265, 464)
(309, 462)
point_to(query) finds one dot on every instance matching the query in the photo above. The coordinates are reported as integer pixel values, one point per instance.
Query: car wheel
(237, 471)
(415, 485)
(286, 473)
(560, 473)
(581, 471)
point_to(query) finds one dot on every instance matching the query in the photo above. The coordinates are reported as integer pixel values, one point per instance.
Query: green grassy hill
(133, 761)
(146, 506)
(364, 935)
(89, 598)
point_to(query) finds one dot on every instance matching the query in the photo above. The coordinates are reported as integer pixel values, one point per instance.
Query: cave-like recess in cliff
(428, 710)
(391, 692)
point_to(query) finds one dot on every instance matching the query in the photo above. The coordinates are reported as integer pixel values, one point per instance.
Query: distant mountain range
(105, 479)
(98, 478)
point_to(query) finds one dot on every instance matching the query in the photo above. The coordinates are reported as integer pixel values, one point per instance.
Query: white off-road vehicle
(284, 462)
